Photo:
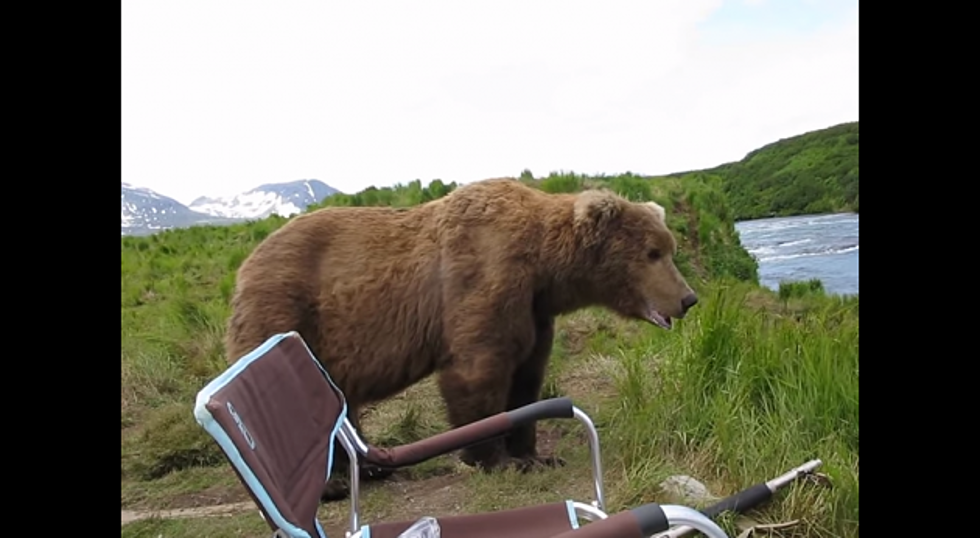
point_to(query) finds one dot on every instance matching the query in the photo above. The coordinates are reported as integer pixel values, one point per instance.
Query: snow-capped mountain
(284, 199)
(145, 211)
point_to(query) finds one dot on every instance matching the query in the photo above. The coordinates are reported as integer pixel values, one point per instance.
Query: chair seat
(541, 521)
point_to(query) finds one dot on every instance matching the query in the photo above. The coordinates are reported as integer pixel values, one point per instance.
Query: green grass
(800, 288)
(738, 394)
(751, 384)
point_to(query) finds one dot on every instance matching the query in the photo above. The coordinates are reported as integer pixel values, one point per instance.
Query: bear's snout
(687, 302)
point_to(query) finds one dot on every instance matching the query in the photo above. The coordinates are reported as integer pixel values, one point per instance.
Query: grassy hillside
(662, 400)
(815, 172)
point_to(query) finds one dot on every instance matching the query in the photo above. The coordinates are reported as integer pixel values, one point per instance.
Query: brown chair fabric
(288, 409)
(542, 521)
(621, 525)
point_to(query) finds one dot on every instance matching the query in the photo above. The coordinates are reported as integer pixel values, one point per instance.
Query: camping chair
(276, 414)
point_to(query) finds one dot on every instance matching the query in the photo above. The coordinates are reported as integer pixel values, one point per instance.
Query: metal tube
(786, 478)
(345, 441)
(675, 532)
(354, 437)
(588, 512)
(684, 515)
(600, 499)
(773, 485)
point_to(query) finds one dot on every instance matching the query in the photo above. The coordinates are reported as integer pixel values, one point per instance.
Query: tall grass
(800, 288)
(742, 394)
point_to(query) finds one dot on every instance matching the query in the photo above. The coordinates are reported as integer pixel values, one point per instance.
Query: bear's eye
(654, 254)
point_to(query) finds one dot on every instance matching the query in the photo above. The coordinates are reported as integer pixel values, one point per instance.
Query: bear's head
(630, 251)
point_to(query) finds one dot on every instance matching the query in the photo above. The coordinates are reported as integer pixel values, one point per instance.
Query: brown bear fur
(468, 286)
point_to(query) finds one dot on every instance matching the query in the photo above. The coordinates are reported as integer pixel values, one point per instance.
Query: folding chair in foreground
(276, 414)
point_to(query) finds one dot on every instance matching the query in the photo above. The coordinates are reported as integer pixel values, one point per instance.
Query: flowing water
(805, 247)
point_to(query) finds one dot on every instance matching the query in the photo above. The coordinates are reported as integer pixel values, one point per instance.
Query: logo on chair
(241, 426)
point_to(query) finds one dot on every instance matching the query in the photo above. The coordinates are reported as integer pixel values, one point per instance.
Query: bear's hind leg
(525, 388)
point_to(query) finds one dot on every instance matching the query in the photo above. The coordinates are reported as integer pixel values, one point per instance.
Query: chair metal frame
(356, 448)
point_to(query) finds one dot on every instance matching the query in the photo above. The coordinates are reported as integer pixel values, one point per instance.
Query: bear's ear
(594, 210)
(658, 210)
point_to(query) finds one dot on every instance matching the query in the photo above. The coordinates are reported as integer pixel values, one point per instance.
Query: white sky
(221, 96)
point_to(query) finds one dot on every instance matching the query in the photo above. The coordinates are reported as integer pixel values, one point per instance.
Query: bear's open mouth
(660, 320)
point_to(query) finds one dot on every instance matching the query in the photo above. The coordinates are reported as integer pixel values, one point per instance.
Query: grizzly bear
(467, 286)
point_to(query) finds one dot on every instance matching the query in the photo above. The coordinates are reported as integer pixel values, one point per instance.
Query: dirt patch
(218, 500)
(216, 495)
(129, 516)
(436, 495)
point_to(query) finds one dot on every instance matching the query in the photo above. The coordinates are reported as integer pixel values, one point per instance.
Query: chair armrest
(638, 522)
(469, 434)
(647, 520)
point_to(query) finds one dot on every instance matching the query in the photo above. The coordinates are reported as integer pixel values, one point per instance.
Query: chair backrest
(275, 413)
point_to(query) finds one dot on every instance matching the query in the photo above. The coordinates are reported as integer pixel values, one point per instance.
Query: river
(805, 247)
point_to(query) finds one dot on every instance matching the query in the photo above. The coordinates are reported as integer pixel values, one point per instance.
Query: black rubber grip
(544, 409)
(651, 518)
(740, 502)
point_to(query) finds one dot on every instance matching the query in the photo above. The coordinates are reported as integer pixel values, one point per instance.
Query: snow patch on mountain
(248, 205)
(284, 199)
(145, 211)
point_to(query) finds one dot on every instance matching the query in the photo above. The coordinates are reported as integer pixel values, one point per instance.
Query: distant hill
(815, 172)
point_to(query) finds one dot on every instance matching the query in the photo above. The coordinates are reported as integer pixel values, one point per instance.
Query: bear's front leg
(473, 390)
(525, 389)
(491, 333)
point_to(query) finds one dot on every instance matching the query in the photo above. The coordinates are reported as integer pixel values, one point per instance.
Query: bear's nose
(688, 301)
